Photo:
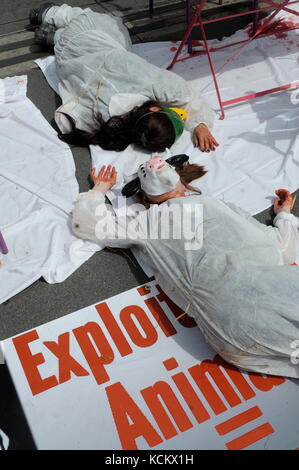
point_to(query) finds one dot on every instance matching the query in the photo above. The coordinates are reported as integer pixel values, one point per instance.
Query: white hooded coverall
(239, 286)
(99, 73)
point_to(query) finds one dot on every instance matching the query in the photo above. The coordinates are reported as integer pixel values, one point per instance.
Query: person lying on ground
(111, 96)
(231, 273)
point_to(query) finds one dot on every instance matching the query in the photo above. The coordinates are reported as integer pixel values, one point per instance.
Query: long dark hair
(151, 130)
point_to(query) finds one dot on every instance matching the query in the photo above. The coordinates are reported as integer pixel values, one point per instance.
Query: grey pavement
(108, 272)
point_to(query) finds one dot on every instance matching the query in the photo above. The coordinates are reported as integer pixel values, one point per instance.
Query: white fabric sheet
(258, 139)
(38, 191)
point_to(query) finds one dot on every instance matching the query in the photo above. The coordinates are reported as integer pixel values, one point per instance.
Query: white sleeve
(198, 112)
(162, 85)
(171, 89)
(286, 236)
(94, 220)
(177, 92)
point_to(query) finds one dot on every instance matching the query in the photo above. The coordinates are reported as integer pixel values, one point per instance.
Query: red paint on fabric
(277, 27)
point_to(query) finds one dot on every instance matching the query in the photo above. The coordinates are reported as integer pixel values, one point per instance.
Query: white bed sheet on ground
(258, 150)
(38, 191)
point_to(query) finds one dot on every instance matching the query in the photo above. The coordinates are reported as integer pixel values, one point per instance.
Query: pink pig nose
(155, 163)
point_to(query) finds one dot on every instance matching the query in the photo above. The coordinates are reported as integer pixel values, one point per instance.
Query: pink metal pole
(203, 33)
(3, 245)
(235, 15)
(258, 31)
(269, 18)
(197, 21)
(289, 10)
(256, 16)
(260, 93)
(188, 21)
(213, 49)
(185, 38)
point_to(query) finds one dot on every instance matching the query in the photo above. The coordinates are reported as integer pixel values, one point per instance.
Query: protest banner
(133, 372)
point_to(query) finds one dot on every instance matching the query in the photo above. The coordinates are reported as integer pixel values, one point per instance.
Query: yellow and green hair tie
(177, 117)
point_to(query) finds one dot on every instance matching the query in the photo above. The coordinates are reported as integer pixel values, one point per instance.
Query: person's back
(243, 300)
(229, 272)
(228, 233)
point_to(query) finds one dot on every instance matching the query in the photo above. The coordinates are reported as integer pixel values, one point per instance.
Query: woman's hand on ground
(105, 179)
(283, 202)
(203, 138)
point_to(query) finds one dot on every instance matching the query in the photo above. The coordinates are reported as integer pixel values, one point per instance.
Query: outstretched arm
(94, 220)
(200, 118)
(203, 138)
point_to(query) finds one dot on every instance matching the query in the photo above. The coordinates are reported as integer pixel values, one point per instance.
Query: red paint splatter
(277, 28)
(173, 49)
(195, 42)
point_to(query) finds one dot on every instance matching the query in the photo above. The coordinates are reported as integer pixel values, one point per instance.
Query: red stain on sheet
(277, 28)
(173, 49)
(195, 42)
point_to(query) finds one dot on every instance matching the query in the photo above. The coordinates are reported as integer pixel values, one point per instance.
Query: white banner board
(127, 374)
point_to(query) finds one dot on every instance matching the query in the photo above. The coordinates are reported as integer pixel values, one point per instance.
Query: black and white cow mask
(156, 176)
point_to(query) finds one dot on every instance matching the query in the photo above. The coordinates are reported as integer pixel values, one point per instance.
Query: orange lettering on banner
(114, 330)
(237, 378)
(199, 375)
(67, 363)
(238, 421)
(124, 408)
(169, 414)
(164, 391)
(185, 320)
(151, 334)
(187, 392)
(265, 383)
(30, 362)
(84, 335)
(158, 313)
(250, 437)
(160, 316)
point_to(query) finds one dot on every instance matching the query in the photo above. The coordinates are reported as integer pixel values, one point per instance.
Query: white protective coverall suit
(99, 73)
(239, 286)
